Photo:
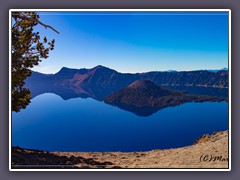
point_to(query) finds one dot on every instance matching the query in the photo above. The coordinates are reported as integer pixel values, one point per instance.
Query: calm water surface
(53, 124)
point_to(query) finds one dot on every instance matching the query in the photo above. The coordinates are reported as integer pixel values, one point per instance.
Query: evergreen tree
(28, 49)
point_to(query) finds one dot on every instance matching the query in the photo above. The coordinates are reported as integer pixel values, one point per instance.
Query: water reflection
(100, 93)
(53, 124)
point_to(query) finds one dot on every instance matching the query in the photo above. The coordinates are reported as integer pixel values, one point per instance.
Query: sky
(131, 42)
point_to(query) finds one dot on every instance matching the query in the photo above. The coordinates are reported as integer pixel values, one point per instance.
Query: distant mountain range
(100, 82)
(106, 77)
(216, 70)
(211, 70)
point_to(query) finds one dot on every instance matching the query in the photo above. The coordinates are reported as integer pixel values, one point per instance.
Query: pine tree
(28, 49)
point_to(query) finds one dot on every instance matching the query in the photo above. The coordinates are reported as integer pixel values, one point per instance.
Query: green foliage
(27, 51)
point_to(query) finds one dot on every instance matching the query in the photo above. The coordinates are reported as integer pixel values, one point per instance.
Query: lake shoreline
(209, 151)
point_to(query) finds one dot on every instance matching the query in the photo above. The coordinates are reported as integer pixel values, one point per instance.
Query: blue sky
(136, 41)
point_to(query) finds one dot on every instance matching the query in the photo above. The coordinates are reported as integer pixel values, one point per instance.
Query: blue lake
(53, 124)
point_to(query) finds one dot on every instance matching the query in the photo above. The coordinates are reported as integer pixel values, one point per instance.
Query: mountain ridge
(146, 75)
(101, 66)
(100, 81)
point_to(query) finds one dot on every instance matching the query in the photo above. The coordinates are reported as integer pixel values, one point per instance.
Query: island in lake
(144, 97)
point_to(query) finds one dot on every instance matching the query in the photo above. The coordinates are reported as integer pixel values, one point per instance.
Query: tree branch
(36, 20)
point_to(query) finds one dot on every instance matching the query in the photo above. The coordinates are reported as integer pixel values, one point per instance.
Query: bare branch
(35, 20)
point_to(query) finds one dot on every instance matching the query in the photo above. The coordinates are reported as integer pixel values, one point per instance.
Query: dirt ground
(207, 152)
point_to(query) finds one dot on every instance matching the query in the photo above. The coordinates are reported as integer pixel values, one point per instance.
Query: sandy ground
(207, 152)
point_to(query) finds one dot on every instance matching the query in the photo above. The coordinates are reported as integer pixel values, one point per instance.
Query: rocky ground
(210, 151)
